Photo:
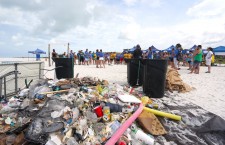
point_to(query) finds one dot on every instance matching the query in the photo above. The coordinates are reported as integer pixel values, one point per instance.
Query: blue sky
(111, 25)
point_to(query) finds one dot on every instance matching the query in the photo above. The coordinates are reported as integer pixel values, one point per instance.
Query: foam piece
(129, 99)
(163, 114)
(124, 127)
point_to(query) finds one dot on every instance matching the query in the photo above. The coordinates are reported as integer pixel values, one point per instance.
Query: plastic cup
(98, 111)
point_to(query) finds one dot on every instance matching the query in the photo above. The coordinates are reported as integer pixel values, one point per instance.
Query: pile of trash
(88, 111)
(75, 111)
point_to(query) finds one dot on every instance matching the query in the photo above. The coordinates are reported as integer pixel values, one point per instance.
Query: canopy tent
(132, 50)
(170, 48)
(153, 49)
(220, 50)
(38, 52)
(193, 48)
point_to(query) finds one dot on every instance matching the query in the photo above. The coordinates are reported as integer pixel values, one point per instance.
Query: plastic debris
(78, 111)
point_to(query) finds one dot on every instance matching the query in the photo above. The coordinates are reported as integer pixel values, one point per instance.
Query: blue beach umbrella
(38, 53)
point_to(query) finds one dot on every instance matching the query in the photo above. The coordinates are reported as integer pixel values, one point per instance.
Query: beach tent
(193, 48)
(38, 53)
(220, 50)
(170, 48)
(153, 49)
(132, 50)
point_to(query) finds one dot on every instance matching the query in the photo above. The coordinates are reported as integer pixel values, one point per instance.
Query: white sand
(210, 89)
(209, 93)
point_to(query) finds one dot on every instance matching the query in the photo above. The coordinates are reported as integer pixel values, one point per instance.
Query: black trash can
(135, 72)
(155, 78)
(64, 68)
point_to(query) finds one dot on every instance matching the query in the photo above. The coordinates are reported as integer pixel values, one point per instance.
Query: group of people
(194, 58)
(98, 58)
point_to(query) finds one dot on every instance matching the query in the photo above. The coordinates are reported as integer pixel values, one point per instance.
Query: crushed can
(106, 112)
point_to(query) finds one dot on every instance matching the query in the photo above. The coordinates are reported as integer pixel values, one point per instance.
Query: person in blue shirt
(97, 59)
(174, 55)
(101, 59)
(90, 57)
(86, 57)
(106, 57)
(117, 58)
(150, 53)
(38, 57)
(71, 54)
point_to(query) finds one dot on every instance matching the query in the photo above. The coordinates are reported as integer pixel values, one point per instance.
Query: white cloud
(207, 8)
(97, 24)
(130, 2)
(208, 22)
(130, 32)
(151, 3)
(17, 37)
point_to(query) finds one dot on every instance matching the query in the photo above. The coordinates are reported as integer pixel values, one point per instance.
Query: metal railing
(13, 75)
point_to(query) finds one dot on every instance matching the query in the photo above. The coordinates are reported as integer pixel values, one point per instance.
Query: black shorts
(81, 59)
(97, 58)
(111, 59)
(171, 59)
(53, 59)
(189, 61)
(196, 64)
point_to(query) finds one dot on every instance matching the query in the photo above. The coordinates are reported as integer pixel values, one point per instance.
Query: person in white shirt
(208, 59)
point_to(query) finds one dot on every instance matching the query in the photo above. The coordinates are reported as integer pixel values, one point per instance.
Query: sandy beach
(209, 92)
(195, 107)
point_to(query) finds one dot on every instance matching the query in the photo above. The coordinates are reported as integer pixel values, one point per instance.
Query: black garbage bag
(35, 132)
(213, 131)
(43, 124)
(114, 107)
(197, 127)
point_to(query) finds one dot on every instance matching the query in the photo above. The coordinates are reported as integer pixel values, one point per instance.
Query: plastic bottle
(140, 135)
(92, 117)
